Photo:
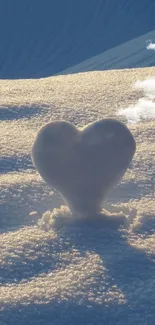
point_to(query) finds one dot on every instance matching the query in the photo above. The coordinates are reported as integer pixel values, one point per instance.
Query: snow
(150, 46)
(53, 269)
(42, 40)
(145, 106)
(131, 54)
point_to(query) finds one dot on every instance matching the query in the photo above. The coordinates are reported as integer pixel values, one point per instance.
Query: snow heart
(83, 165)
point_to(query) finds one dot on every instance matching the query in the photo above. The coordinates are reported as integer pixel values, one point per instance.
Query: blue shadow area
(19, 200)
(15, 164)
(127, 268)
(120, 261)
(22, 112)
(26, 267)
(42, 39)
(69, 312)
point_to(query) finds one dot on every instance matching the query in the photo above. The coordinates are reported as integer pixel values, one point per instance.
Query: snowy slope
(53, 271)
(130, 54)
(41, 39)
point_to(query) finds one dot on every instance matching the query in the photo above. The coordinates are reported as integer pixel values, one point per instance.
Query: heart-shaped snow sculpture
(83, 165)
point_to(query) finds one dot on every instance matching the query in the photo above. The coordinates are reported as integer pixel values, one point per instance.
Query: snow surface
(145, 106)
(54, 270)
(151, 46)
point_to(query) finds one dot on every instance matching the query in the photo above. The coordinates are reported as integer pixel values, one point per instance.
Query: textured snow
(53, 269)
(151, 46)
(145, 106)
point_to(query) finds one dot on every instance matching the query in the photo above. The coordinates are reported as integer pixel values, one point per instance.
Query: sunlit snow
(55, 269)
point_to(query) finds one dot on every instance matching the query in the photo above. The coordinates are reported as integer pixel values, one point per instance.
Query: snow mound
(145, 106)
(62, 217)
(151, 46)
